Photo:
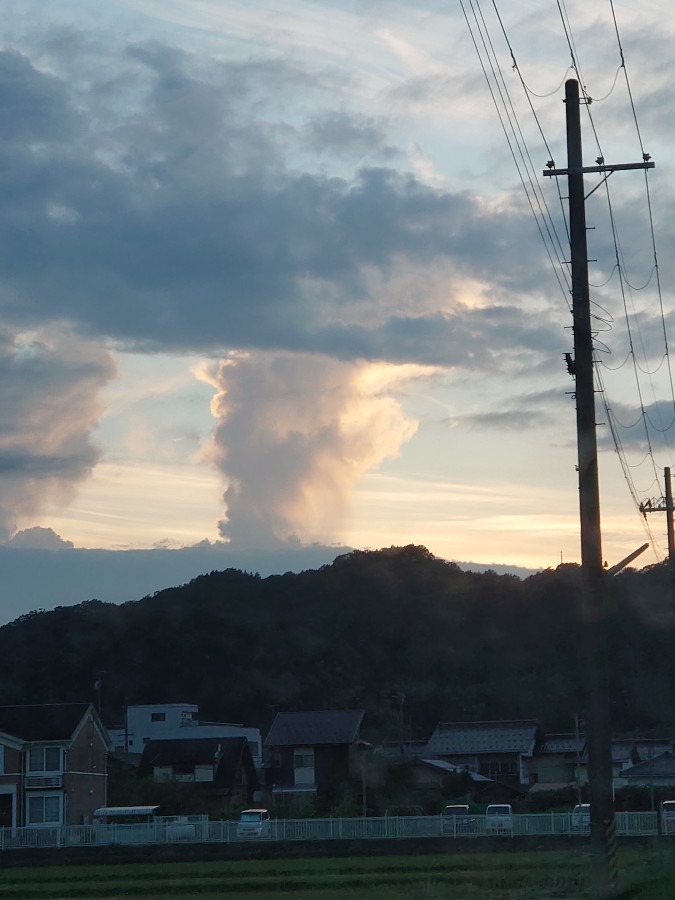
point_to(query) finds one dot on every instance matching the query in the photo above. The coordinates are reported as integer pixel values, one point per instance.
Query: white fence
(201, 830)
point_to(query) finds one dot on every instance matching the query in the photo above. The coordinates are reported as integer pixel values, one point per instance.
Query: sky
(273, 286)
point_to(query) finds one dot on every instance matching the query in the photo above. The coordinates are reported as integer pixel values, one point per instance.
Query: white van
(499, 818)
(455, 819)
(254, 823)
(581, 817)
(668, 816)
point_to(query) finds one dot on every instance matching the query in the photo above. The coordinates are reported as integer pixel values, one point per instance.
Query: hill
(409, 637)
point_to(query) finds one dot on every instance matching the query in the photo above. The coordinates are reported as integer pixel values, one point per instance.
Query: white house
(174, 721)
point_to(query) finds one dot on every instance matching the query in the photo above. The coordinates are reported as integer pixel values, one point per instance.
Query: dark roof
(448, 768)
(563, 743)
(197, 751)
(43, 722)
(463, 738)
(632, 750)
(659, 766)
(398, 751)
(330, 726)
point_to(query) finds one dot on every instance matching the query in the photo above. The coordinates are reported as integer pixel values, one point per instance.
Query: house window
(303, 764)
(44, 809)
(44, 759)
(494, 768)
(158, 717)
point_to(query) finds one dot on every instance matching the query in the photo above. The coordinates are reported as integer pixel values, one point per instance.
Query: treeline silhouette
(408, 637)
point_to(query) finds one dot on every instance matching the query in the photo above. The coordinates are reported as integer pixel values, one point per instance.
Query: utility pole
(593, 601)
(663, 504)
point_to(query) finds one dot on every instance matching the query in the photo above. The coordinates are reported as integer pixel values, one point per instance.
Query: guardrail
(628, 824)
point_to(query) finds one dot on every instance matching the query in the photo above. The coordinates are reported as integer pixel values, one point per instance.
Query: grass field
(647, 874)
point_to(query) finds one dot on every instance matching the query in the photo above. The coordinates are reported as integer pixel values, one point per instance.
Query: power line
(492, 71)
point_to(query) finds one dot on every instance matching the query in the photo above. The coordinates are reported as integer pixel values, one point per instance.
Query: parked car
(499, 818)
(254, 823)
(456, 819)
(581, 817)
(668, 816)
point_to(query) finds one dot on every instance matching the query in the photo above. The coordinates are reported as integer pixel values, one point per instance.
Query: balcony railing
(43, 781)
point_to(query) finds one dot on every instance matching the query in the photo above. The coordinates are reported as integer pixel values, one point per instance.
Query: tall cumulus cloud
(294, 435)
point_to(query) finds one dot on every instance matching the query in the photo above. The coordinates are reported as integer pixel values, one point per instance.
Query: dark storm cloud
(33, 106)
(49, 395)
(179, 223)
(640, 430)
(466, 338)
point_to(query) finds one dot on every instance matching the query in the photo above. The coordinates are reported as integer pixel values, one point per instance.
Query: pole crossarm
(654, 505)
(581, 170)
(663, 504)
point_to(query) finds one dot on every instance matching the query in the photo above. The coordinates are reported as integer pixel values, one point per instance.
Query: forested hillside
(410, 638)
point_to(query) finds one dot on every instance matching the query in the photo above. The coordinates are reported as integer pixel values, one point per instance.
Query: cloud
(179, 222)
(294, 435)
(50, 385)
(350, 136)
(38, 538)
(525, 412)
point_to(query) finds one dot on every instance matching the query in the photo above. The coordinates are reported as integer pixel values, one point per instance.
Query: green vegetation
(502, 875)
(411, 639)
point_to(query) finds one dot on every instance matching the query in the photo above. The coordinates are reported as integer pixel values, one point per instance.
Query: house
(556, 764)
(313, 753)
(501, 750)
(435, 773)
(628, 752)
(52, 764)
(658, 771)
(176, 721)
(221, 768)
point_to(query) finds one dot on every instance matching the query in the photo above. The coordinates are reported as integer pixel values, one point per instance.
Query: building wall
(145, 723)
(85, 778)
(11, 813)
(554, 768)
(331, 768)
(11, 761)
(83, 794)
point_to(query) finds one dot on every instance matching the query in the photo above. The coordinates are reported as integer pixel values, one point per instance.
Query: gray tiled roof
(42, 722)
(658, 766)
(626, 750)
(330, 726)
(462, 738)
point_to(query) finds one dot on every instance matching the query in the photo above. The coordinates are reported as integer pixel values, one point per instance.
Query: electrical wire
(548, 231)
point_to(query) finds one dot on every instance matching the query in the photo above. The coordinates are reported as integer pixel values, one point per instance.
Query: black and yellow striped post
(611, 848)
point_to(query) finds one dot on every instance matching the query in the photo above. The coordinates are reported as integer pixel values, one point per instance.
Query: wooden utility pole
(593, 600)
(663, 504)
